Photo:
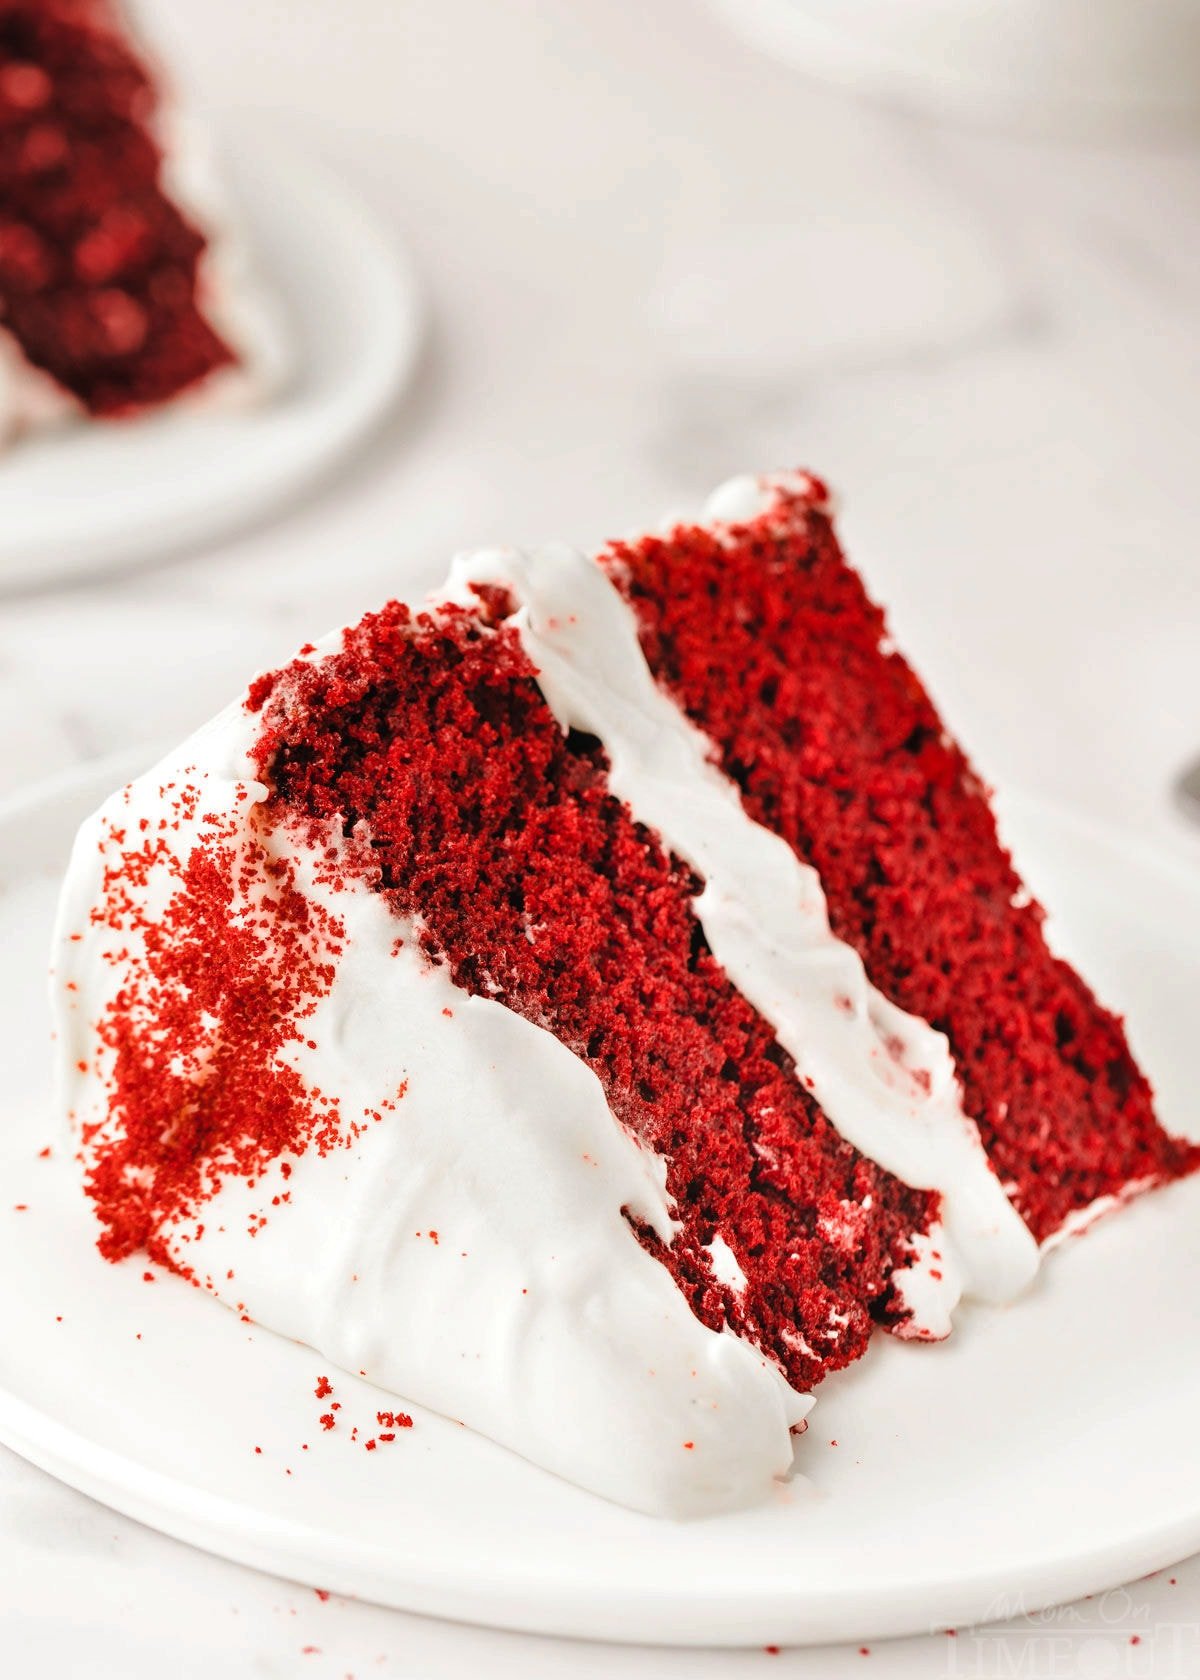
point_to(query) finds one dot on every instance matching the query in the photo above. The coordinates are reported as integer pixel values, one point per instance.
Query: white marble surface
(655, 259)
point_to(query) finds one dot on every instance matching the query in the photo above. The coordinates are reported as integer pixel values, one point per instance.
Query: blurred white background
(654, 257)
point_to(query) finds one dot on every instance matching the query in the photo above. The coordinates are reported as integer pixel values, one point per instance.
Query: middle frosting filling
(885, 1078)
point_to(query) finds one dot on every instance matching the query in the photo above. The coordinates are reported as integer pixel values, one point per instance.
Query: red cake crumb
(324, 1388)
(196, 1033)
(768, 640)
(493, 826)
(98, 268)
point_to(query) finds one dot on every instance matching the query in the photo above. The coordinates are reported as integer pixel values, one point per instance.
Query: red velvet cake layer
(97, 266)
(538, 888)
(768, 640)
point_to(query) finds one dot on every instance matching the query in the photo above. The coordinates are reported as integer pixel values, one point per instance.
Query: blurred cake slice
(122, 286)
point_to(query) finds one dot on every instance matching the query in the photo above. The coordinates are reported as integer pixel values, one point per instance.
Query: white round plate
(83, 496)
(1044, 1452)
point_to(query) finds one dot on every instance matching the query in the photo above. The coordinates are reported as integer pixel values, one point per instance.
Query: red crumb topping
(98, 268)
(537, 887)
(393, 1420)
(769, 641)
(198, 1091)
(324, 1388)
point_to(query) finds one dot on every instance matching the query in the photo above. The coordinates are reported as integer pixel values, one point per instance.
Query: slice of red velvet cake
(118, 290)
(590, 1005)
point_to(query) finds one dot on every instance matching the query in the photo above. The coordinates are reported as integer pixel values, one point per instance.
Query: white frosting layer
(741, 499)
(885, 1078)
(535, 1316)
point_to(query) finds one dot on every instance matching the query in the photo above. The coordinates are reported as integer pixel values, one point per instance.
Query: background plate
(1044, 1452)
(83, 497)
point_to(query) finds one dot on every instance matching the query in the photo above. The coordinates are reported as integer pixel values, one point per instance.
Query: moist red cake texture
(767, 638)
(98, 267)
(538, 888)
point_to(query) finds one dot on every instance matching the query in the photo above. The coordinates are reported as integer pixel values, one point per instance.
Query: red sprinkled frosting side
(231, 960)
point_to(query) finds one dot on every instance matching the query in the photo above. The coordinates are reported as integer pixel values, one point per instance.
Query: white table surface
(654, 259)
